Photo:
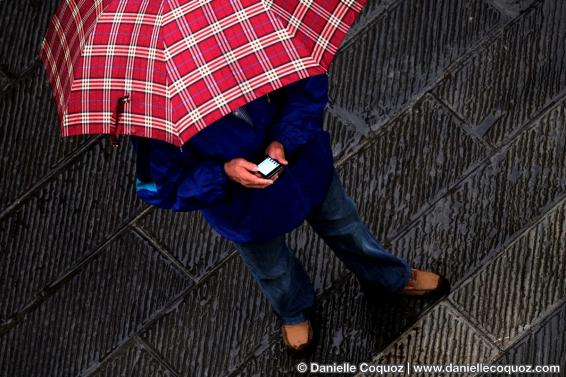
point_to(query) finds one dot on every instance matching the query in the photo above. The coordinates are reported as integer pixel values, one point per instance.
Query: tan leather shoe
(298, 336)
(423, 283)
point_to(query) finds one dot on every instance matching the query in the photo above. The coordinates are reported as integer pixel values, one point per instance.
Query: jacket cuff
(220, 173)
(288, 147)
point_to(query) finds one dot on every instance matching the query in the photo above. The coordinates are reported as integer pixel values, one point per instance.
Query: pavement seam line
(537, 324)
(163, 251)
(482, 43)
(506, 13)
(156, 355)
(448, 305)
(489, 38)
(473, 169)
(470, 322)
(115, 351)
(463, 123)
(495, 253)
(54, 172)
(52, 287)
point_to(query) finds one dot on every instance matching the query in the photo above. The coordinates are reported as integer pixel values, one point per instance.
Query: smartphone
(269, 167)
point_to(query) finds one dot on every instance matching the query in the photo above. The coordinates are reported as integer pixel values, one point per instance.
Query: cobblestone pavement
(448, 123)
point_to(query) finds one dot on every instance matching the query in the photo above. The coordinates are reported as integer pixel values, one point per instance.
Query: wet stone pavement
(449, 129)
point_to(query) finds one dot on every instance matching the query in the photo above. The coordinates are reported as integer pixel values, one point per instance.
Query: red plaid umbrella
(167, 69)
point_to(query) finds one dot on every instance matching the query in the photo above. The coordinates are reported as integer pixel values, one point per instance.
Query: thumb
(280, 156)
(249, 165)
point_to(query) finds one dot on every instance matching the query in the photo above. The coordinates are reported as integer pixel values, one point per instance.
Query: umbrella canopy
(167, 69)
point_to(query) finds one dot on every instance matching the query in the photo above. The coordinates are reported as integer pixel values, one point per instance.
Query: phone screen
(267, 166)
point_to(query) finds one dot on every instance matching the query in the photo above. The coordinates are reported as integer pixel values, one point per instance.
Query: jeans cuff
(404, 280)
(292, 320)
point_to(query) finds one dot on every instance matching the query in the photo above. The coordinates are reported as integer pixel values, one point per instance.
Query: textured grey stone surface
(134, 360)
(30, 139)
(448, 126)
(220, 322)
(23, 24)
(523, 282)
(62, 222)
(188, 238)
(486, 210)
(402, 169)
(93, 313)
(5, 82)
(403, 52)
(532, 55)
(372, 10)
(543, 345)
(512, 7)
(232, 314)
(443, 336)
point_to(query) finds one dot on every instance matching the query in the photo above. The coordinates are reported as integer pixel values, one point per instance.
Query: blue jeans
(282, 278)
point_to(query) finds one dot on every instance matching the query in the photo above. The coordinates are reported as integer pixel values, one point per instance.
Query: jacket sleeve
(301, 112)
(166, 180)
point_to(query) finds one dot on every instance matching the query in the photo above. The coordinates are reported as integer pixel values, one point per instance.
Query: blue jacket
(193, 178)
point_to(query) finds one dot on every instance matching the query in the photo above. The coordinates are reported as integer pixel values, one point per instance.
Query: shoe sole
(442, 288)
(376, 292)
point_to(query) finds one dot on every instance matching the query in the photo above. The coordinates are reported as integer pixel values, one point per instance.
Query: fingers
(279, 156)
(247, 174)
(248, 165)
(276, 150)
(273, 178)
(251, 180)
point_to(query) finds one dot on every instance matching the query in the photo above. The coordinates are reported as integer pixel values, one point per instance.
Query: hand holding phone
(245, 173)
(251, 175)
(269, 167)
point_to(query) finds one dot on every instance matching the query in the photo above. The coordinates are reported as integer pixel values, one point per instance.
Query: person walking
(216, 172)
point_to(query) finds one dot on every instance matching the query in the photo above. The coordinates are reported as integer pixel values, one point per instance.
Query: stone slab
(92, 313)
(442, 336)
(507, 83)
(187, 237)
(23, 24)
(519, 286)
(479, 216)
(415, 159)
(62, 222)
(513, 7)
(133, 360)
(221, 321)
(404, 51)
(30, 139)
(544, 345)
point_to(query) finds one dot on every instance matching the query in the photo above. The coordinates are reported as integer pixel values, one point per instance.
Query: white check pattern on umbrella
(167, 69)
